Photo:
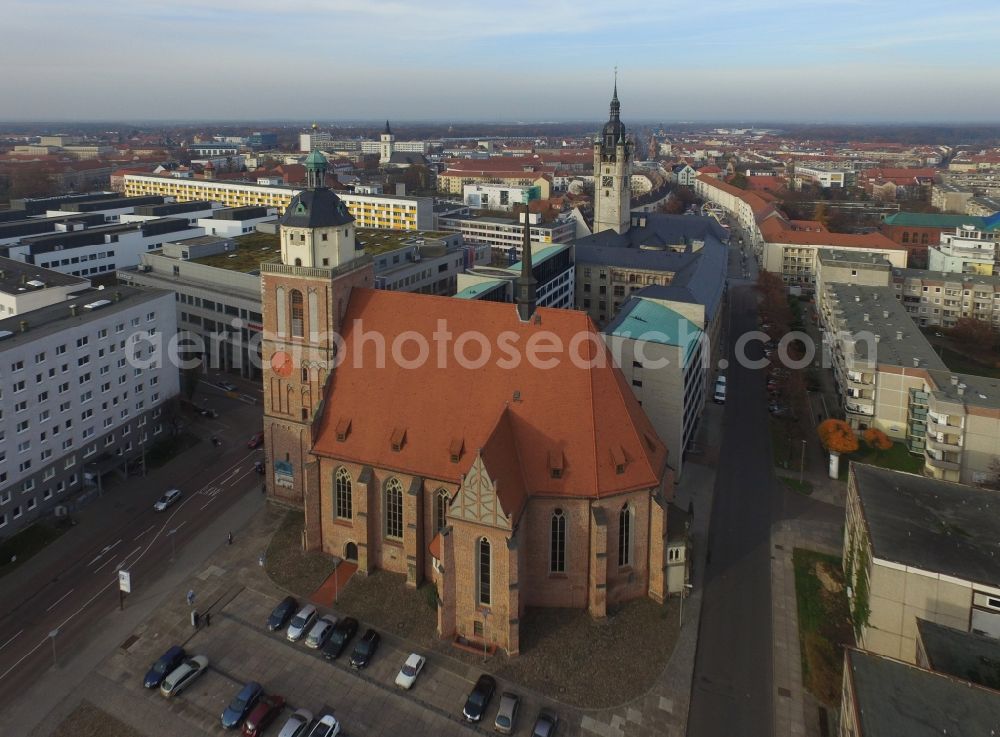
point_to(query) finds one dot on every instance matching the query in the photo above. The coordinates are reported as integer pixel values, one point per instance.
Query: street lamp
(52, 636)
(684, 593)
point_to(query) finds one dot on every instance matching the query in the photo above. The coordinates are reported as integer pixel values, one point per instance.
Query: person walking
(229, 539)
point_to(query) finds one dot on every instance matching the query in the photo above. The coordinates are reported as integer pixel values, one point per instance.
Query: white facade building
(498, 196)
(26, 287)
(82, 392)
(966, 251)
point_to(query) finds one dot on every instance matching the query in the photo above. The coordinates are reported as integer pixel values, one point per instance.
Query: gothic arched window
(557, 552)
(483, 577)
(440, 510)
(625, 536)
(344, 502)
(297, 313)
(394, 509)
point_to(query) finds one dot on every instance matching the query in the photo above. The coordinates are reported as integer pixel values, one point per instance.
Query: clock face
(281, 363)
(607, 181)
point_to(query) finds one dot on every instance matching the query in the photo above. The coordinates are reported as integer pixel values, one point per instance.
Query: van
(720, 390)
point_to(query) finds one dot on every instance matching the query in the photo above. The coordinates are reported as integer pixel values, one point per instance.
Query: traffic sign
(125, 581)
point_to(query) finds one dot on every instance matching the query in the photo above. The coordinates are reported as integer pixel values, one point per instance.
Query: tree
(837, 436)
(973, 337)
(876, 439)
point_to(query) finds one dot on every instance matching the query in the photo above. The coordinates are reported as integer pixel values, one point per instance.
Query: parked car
(183, 675)
(206, 412)
(545, 724)
(301, 623)
(365, 649)
(256, 440)
(167, 500)
(407, 675)
(269, 706)
(164, 665)
(297, 724)
(479, 698)
(282, 613)
(719, 397)
(226, 386)
(327, 726)
(320, 632)
(241, 705)
(506, 720)
(346, 629)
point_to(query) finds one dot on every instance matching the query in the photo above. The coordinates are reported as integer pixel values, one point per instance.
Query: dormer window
(619, 459)
(343, 429)
(455, 449)
(556, 464)
(398, 439)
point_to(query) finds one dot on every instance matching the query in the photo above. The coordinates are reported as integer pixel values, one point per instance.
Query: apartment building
(504, 235)
(890, 377)
(368, 210)
(950, 198)
(918, 548)
(498, 196)
(825, 177)
(939, 298)
(82, 393)
(970, 249)
(428, 263)
(26, 287)
(665, 358)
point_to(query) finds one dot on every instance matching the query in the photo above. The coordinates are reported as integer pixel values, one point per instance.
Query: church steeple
(387, 129)
(615, 105)
(526, 285)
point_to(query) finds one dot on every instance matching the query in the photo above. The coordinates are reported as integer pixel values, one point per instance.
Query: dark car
(282, 613)
(167, 662)
(545, 724)
(479, 698)
(365, 649)
(256, 440)
(241, 705)
(342, 633)
(263, 714)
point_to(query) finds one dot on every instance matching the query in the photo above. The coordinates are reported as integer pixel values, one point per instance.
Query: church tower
(612, 173)
(304, 298)
(387, 144)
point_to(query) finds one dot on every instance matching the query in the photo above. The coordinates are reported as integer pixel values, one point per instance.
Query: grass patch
(897, 458)
(824, 622)
(87, 720)
(165, 450)
(27, 542)
(289, 566)
(803, 487)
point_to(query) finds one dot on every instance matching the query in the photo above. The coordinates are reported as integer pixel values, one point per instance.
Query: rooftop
(648, 320)
(844, 257)
(951, 277)
(936, 526)
(966, 655)
(58, 317)
(899, 340)
(896, 698)
(474, 290)
(18, 277)
(378, 241)
(251, 250)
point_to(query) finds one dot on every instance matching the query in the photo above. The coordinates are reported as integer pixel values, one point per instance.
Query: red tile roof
(515, 417)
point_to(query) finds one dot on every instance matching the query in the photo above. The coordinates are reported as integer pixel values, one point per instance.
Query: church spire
(526, 283)
(615, 105)
(387, 130)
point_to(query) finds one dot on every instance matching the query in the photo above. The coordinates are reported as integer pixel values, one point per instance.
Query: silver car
(183, 675)
(301, 623)
(320, 632)
(297, 724)
(506, 720)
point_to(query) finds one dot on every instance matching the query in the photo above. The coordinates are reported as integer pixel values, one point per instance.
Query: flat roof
(474, 291)
(887, 318)
(897, 698)
(967, 655)
(937, 526)
(843, 256)
(378, 241)
(648, 320)
(15, 277)
(57, 317)
(539, 256)
(953, 277)
(250, 251)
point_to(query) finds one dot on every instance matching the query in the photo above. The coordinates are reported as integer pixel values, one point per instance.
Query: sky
(516, 60)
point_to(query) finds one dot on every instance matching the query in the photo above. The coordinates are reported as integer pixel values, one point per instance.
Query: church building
(612, 173)
(491, 449)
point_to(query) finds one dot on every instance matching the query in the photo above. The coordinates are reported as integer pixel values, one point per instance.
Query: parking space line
(11, 639)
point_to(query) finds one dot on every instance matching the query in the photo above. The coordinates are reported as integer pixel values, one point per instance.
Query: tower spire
(526, 284)
(615, 105)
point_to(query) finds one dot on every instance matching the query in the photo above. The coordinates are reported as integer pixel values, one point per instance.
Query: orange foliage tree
(876, 439)
(837, 436)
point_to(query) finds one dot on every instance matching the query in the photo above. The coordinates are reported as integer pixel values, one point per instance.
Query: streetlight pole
(52, 636)
(684, 592)
(802, 462)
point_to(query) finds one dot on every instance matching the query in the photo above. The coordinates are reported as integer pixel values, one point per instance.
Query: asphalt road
(732, 690)
(71, 593)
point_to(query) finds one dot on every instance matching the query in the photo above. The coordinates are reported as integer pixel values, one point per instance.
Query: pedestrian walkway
(326, 594)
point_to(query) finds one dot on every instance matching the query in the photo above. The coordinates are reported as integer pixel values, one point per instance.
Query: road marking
(57, 601)
(120, 564)
(11, 639)
(230, 476)
(148, 529)
(105, 551)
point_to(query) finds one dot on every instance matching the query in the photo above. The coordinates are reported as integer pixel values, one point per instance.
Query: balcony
(941, 465)
(938, 423)
(857, 406)
(944, 443)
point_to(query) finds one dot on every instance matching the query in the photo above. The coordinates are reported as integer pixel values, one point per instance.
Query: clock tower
(612, 173)
(304, 299)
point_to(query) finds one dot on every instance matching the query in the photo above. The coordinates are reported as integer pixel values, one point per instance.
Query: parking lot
(240, 648)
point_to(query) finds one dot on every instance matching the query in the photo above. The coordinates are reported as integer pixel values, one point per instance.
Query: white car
(167, 500)
(327, 726)
(183, 675)
(410, 670)
(320, 632)
(301, 623)
(720, 390)
(297, 724)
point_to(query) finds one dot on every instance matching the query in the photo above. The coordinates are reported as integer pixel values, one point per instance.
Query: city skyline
(767, 61)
